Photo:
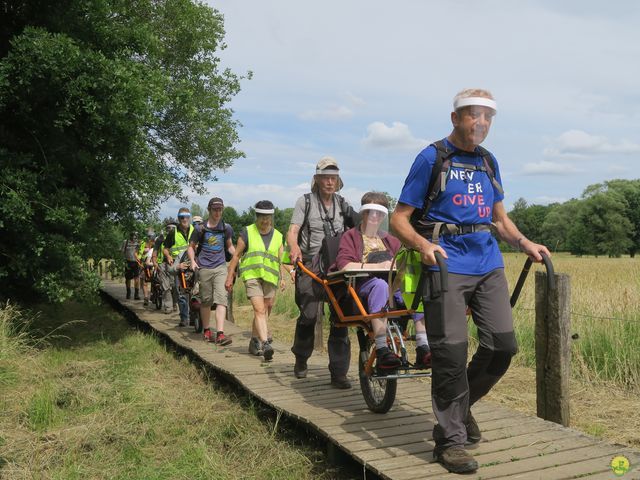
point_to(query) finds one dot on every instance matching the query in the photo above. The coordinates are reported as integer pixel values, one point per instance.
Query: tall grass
(605, 315)
(107, 401)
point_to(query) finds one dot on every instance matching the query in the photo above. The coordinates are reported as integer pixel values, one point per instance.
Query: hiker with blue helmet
(452, 203)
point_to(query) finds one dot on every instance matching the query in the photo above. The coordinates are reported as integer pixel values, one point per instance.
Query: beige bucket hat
(327, 166)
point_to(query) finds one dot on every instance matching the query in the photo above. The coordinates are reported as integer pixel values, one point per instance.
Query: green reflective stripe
(259, 266)
(266, 255)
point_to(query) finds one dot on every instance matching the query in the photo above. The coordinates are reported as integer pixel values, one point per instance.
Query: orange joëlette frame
(362, 320)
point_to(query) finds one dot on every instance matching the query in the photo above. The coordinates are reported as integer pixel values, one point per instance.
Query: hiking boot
(128, 293)
(255, 346)
(146, 302)
(455, 459)
(300, 368)
(137, 295)
(423, 357)
(386, 359)
(208, 335)
(222, 340)
(268, 352)
(473, 431)
(184, 322)
(340, 381)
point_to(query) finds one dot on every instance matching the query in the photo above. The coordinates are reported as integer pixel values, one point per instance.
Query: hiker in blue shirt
(451, 203)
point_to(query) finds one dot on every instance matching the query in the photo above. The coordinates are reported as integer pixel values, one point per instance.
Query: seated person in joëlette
(367, 247)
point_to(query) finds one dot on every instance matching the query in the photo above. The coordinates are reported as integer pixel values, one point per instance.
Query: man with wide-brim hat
(323, 212)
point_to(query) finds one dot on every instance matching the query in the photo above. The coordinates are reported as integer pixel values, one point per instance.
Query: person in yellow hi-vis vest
(259, 253)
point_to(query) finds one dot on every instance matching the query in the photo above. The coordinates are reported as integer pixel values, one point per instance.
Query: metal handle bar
(551, 279)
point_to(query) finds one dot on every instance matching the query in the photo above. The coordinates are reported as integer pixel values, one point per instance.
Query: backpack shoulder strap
(439, 171)
(305, 220)
(490, 166)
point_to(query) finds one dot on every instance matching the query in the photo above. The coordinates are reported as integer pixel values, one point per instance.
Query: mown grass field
(98, 399)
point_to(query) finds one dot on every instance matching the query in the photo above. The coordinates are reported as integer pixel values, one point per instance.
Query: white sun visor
(374, 206)
(477, 101)
(264, 211)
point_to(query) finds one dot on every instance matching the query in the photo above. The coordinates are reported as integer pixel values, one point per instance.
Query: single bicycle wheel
(379, 393)
(195, 320)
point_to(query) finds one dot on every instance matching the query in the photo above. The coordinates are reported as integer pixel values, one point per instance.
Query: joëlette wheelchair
(347, 310)
(379, 389)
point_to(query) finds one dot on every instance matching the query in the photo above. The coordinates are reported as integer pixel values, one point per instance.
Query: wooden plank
(397, 444)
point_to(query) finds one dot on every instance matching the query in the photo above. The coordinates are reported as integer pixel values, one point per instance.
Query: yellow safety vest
(180, 245)
(258, 261)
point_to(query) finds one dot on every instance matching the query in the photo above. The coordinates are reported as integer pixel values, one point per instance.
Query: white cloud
(549, 168)
(397, 136)
(578, 143)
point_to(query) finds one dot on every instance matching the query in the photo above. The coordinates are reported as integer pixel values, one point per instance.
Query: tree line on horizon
(605, 220)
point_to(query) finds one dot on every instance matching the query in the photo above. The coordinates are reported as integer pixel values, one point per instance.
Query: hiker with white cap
(318, 214)
(259, 253)
(370, 246)
(451, 203)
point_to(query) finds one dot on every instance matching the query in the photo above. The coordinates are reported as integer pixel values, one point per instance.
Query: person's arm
(191, 249)
(295, 254)
(191, 253)
(233, 263)
(508, 232)
(284, 270)
(228, 240)
(401, 226)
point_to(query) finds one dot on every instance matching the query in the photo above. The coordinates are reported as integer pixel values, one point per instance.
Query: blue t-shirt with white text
(468, 199)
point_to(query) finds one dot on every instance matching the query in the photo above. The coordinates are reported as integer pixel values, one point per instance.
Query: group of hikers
(451, 204)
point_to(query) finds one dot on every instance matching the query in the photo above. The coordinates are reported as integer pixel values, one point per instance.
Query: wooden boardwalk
(398, 444)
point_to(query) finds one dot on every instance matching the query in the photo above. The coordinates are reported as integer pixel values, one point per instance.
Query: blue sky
(372, 82)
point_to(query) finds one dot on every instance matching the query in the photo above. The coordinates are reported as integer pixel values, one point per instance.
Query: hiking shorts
(257, 287)
(131, 270)
(212, 285)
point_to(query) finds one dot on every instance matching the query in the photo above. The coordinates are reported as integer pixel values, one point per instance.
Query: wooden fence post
(318, 341)
(553, 348)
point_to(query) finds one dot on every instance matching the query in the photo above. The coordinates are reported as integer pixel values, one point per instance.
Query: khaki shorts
(212, 286)
(257, 287)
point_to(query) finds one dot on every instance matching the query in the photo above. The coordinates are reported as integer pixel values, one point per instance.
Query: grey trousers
(455, 387)
(309, 295)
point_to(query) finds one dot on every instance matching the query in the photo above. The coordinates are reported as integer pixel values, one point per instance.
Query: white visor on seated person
(376, 220)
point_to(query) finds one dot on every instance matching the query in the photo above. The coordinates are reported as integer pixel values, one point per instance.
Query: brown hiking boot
(455, 459)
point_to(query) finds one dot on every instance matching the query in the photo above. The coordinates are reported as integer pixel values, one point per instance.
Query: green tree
(529, 218)
(196, 210)
(107, 107)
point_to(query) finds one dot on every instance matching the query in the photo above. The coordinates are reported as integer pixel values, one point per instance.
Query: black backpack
(204, 229)
(440, 175)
